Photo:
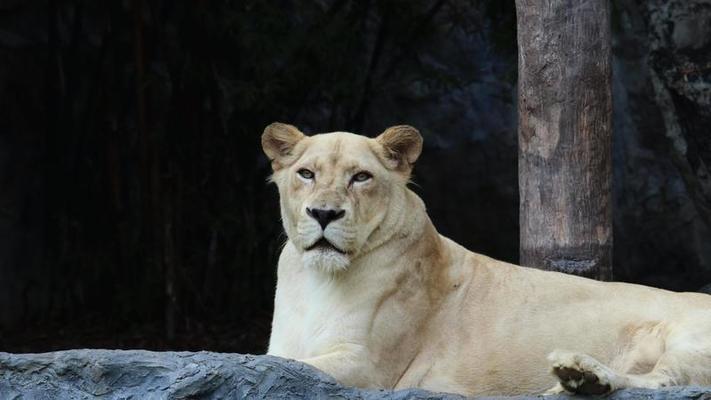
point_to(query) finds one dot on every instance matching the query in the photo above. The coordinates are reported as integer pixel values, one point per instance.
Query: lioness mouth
(323, 243)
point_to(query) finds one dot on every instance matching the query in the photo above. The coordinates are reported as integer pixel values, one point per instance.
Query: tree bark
(139, 374)
(565, 136)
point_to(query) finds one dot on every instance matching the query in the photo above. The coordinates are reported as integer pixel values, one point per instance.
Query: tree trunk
(565, 136)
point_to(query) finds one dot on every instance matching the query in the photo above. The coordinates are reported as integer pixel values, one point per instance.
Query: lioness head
(341, 194)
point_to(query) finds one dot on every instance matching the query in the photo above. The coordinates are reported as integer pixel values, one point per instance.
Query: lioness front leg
(684, 358)
(582, 374)
(348, 367)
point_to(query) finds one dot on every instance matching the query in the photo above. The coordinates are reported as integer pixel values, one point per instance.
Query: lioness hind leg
(687, 357)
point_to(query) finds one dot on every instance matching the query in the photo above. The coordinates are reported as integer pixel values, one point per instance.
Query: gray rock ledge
(139, 374)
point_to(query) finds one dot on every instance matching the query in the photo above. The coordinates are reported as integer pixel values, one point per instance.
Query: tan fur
(407, 307)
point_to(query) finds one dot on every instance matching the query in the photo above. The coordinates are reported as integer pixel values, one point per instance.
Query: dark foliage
(134, 207)
(145, 215)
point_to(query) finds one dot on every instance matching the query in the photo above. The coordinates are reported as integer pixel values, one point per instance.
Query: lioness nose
(324, 217)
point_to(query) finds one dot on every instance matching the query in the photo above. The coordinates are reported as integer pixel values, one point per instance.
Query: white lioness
(371, 294)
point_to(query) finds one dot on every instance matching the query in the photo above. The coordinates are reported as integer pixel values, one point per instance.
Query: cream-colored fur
(390, 303)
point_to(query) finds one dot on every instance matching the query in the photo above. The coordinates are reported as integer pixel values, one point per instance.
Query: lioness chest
(315, 314)
(381, 314)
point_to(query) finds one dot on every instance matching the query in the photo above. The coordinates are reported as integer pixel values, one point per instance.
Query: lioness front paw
(581, 374)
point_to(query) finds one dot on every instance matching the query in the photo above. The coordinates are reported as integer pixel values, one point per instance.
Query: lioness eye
(305, 173)
(362, 176)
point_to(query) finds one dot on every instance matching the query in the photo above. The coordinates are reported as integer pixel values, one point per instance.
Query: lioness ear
(278, 141)
(402, 144)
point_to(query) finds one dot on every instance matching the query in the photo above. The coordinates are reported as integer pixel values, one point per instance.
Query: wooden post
(565, 136)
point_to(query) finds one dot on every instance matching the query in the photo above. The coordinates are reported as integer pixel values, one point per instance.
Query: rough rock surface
(662, 99)
(139, 374)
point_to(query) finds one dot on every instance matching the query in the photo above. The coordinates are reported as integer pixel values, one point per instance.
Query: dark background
(134, 208)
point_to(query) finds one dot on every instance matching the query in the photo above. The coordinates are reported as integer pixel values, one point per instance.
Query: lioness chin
(371, 294)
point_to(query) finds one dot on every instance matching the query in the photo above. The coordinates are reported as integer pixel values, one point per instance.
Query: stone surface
(139, 374)
(661, 92)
